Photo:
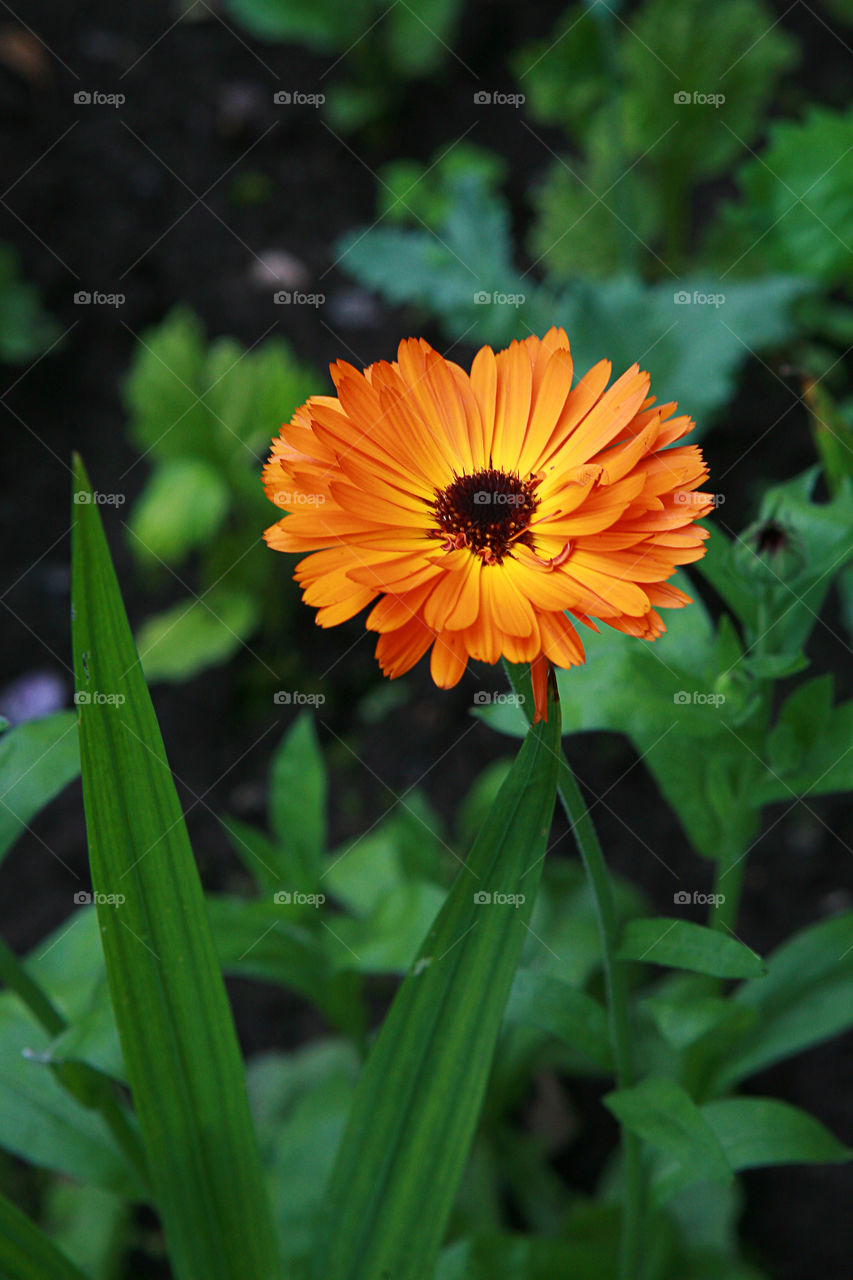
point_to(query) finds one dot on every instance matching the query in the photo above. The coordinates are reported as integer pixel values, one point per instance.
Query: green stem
(728, 883)
(621, 192)
(15, 977)
(592, 857)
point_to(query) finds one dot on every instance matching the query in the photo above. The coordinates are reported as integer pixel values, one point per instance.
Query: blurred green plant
(404, 43)
(333, 927)
(794, 209)
(460, 272)
(202, 416)
(652, 113)
(26, 330)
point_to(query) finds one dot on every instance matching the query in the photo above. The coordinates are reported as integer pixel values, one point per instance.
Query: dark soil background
(99, 198)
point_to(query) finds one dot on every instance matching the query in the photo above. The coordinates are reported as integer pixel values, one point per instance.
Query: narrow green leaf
(298, 805)
(806, 997)
(177, 1034)
(762, 1131)
(661, 1113)
(42, 1123)
(686, 1016)
(754, 1132)
(255, 940)
(420, 1093)
(26, 1253)
(679, 944)
(14, 975)
(36, 761)
(259, 855)
(543, 1001)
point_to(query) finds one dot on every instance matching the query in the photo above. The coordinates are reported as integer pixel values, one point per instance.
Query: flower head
(479, 512)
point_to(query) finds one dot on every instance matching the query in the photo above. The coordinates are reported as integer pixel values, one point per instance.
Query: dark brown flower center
(486, 512)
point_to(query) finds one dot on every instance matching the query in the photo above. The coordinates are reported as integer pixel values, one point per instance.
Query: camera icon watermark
(683, 99)
(84, 498)
(696, 698)
(482, 898)
(293, 698)
(683, 298)
(482, 698)
(286, 499)
(484, 497)
(683, 899)
(87, 298)
(293, 298)
(295, 98)
(94, 697)
(94, 98)
(484, 98)
(295, 898)
(483, 297)
(698, 499)
(83, 898)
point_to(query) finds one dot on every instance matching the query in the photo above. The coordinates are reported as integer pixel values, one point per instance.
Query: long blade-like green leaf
(26, 1253)
(177, 1033)
(419, 1096)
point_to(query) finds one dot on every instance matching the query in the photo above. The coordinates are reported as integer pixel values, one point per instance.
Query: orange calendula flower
(479, 512)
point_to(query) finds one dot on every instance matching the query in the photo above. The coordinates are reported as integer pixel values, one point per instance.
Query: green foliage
(664, 1115)
(202, 416)
(700, 716)
(26, 1253)
(37, 760)
(416, 1105)
(461, 273)
(684, 111)
(382, 47)
(412, 193)
(205, 632)
(795, 207)
(26, 330)
(806, 997)
(688, 946)
(177, 1035)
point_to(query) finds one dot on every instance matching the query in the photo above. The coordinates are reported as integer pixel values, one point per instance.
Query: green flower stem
(728, 883)
(592, 857)
(15, 977)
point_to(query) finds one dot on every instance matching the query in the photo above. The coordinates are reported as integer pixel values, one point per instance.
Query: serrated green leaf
(680, 944)
(796, 202)
(419, 1095)
(177, 1034)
